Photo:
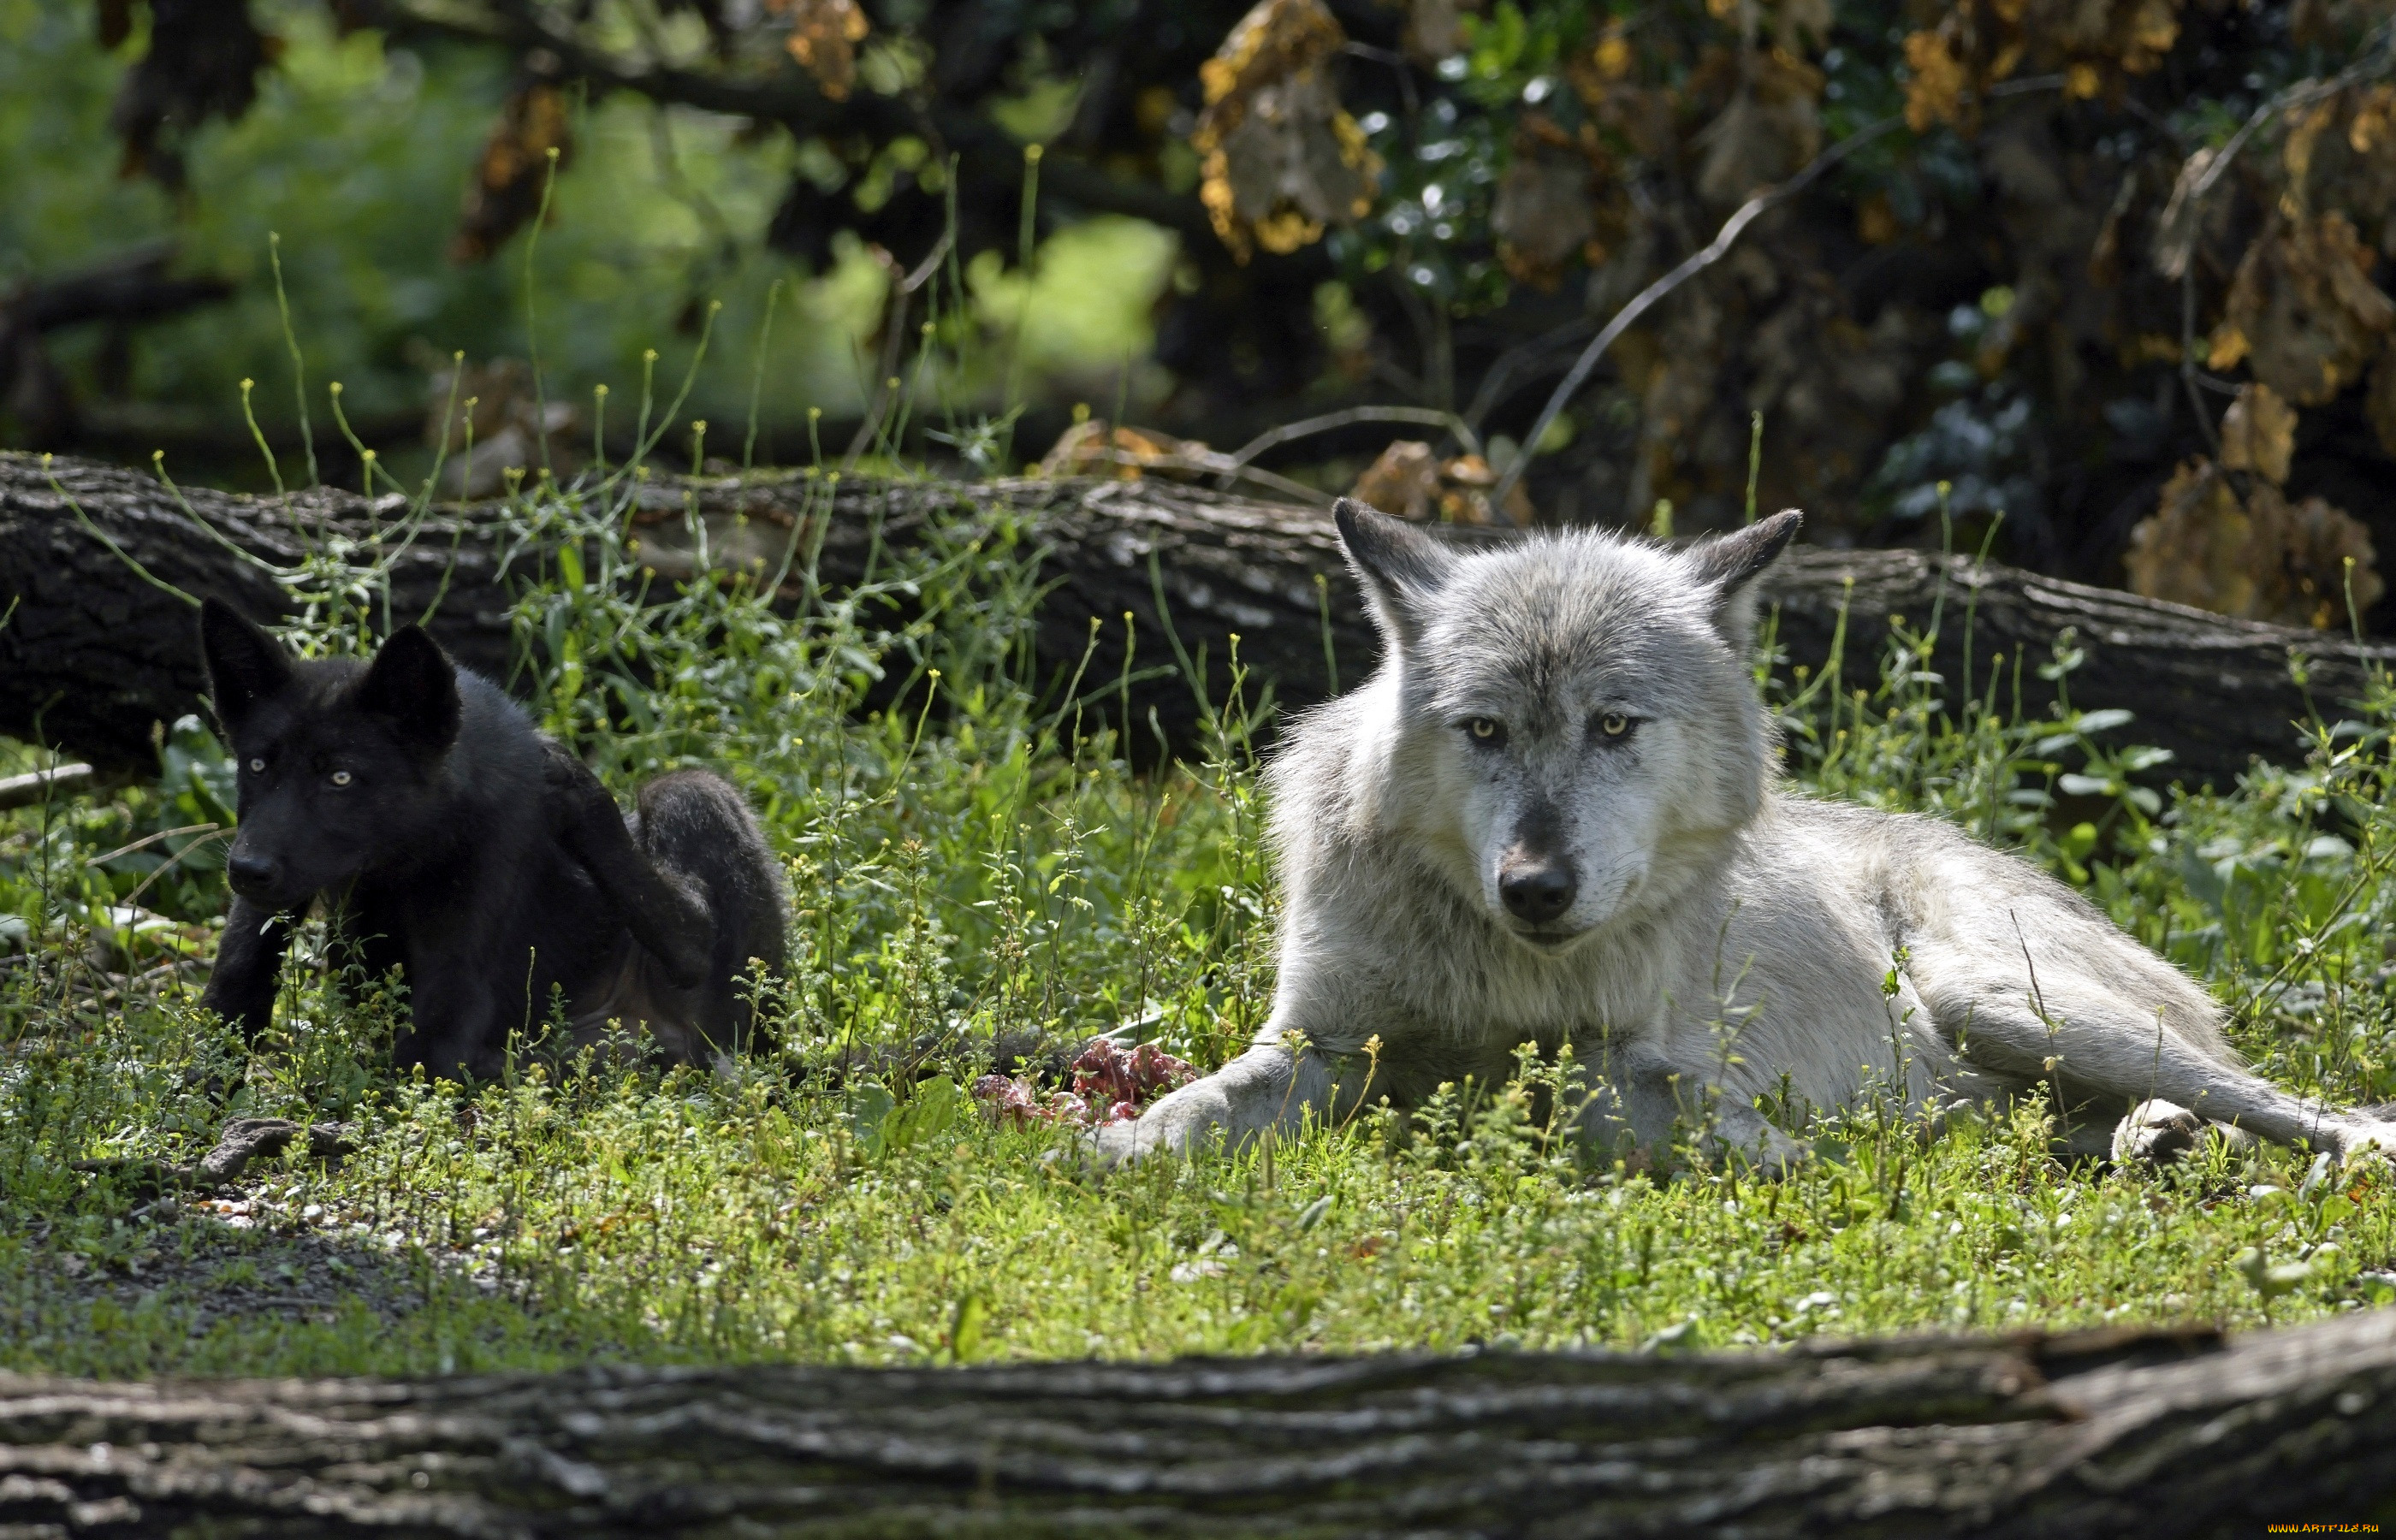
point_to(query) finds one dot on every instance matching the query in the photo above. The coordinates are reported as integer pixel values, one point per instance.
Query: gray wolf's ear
(414, 686)
(1399, 564)
(245, 664)
(1728, 564)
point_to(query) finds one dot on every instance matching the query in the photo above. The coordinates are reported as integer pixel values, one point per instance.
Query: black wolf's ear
(413, 683)
(1727, 563)
(1399, 564)
(245, 664)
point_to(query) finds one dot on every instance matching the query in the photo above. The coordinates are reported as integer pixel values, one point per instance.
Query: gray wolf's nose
(249, 873)
(1536, 894)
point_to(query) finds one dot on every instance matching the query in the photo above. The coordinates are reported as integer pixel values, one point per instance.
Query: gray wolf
(454, 842)
(1554, 815)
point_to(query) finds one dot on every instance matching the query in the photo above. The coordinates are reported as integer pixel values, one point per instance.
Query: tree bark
(2110, 1434)
(93, 654)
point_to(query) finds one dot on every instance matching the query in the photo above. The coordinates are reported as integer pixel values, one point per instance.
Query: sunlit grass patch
(970, 870)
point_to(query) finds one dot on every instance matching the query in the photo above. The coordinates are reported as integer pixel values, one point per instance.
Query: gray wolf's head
(1576, 728)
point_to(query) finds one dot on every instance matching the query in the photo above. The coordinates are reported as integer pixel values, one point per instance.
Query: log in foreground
(2108, 1435)
(94, 654)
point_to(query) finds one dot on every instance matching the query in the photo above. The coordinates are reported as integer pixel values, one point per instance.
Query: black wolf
(455, 842)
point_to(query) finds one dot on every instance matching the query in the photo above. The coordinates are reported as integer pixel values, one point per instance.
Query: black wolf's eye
(1614, 724)
(342, 778)
(257, 767)
(1484, 729)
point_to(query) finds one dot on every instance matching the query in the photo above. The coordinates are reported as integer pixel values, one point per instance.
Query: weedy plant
(975, 857)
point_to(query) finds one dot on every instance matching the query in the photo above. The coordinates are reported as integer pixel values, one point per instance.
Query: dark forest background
(2103, 285)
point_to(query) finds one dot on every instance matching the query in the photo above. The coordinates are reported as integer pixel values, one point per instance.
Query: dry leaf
(1769, 129)
(489, 419)
(2303, 313)
(1827, 386)
(1402, 482)
(2127, 36)
(1434, 29)
(1802, 24)
(203, 61)
(1612, 58)
(1466, 483)
(824, 35)
(2093, 44)
(1542, 217)
(2258, 433)
(1281, 158)
(1876, 221)
(2339, 156)
(1093, 448)
(2260, 557)
(2334, 23)
(1936, 82)
(1547, 213)
(513, 171)
(1606, 79)
(1409, 482)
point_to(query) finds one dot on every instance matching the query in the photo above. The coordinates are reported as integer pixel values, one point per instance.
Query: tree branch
(1648, 297)
(789, 97)
(1696, 262)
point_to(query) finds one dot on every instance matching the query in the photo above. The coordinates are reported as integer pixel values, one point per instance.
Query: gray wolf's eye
(1614, 724)
(341, 777)
(256, 765)
(1484, 729)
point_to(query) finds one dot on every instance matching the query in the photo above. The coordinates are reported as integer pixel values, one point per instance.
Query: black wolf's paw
(573, 790)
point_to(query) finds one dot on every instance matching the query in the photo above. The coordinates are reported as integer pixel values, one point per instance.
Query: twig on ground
(1430, 416)
(1209, 462)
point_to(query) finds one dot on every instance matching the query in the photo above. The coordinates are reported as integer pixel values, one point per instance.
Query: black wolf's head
(340, 764)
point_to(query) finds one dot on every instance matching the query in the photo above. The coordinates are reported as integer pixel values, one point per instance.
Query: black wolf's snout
(252, 876)
(1537, 891)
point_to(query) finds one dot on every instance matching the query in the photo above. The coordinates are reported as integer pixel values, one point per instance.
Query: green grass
(977, 858)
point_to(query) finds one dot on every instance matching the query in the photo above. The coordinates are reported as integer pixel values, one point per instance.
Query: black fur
(480, 858)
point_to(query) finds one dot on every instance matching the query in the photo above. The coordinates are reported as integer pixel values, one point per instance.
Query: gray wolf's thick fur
(1554, 814)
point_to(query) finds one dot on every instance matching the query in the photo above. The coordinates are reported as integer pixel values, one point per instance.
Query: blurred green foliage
(357, 156)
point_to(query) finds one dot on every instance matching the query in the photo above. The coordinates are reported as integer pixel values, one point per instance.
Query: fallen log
(2111, 1434)
(95, 652)
(33, 787)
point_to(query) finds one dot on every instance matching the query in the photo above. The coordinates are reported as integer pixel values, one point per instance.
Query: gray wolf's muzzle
(1537, 889)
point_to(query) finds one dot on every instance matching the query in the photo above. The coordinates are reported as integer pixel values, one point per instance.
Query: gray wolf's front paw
(1172, 1127)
